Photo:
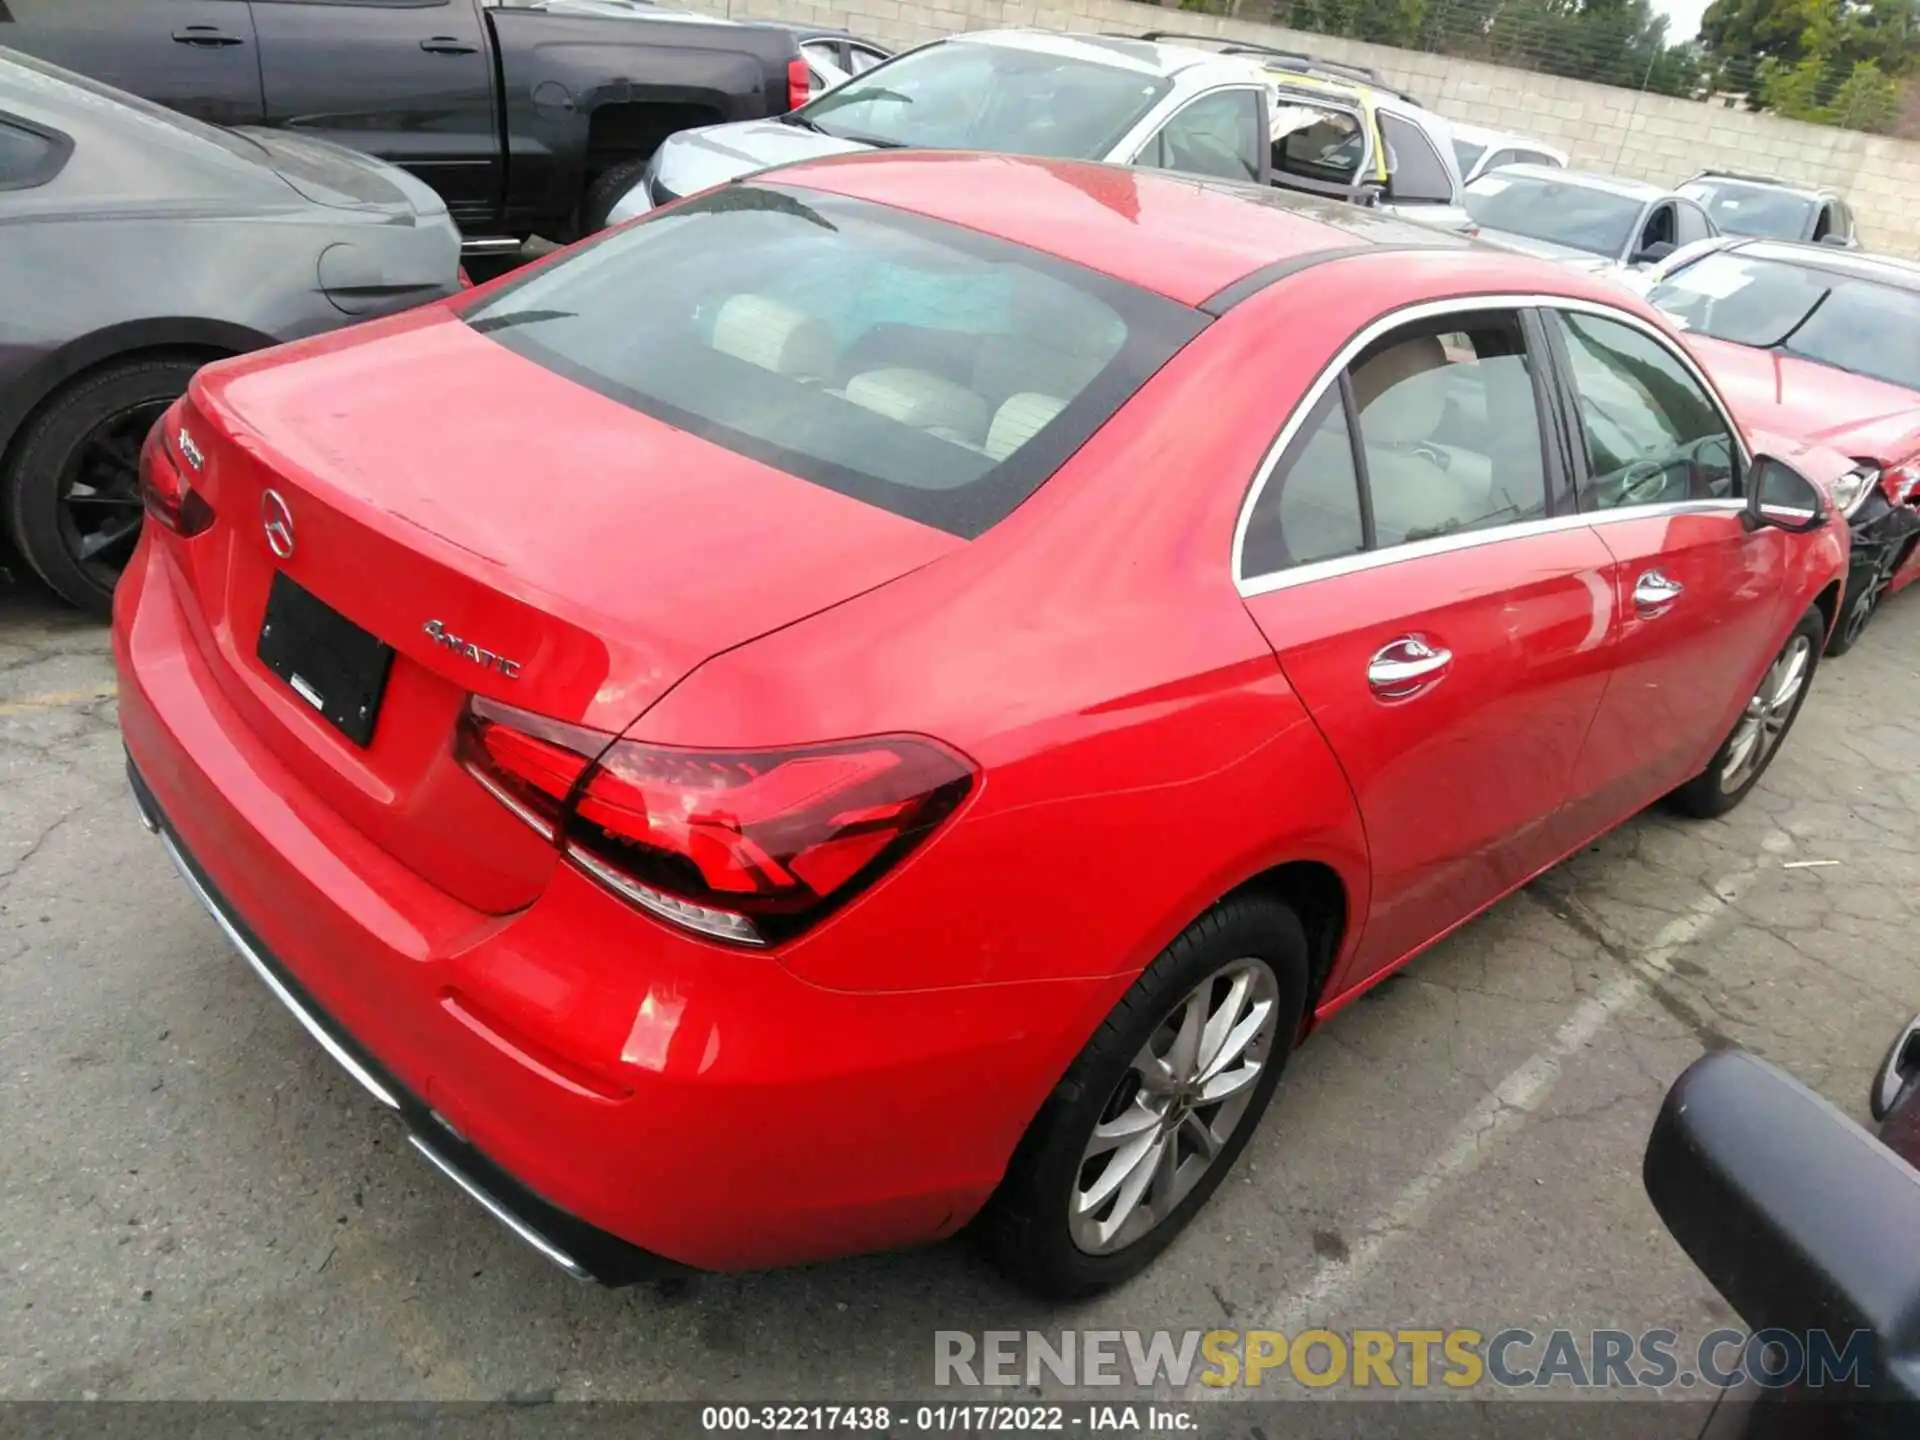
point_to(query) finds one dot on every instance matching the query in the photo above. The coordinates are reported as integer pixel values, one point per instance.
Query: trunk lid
(507, 532)
(343, 179)
(693, 160)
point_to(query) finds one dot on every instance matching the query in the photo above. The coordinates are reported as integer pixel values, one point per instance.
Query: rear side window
(1311, 511)
(1693, 223)
(1216, 135)
(29, 156)
(1317, 142)
(1433, 431)
(1417, 172)
(938, 373)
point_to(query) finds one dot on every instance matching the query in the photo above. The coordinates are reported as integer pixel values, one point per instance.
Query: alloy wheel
(1861, 611)
(1175, 1108)
(100, 510)
(1767, 714)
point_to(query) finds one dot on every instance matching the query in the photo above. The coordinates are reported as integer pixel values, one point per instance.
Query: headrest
(1401, 393)
(775, 336)
(923, 400)
(1015, 423)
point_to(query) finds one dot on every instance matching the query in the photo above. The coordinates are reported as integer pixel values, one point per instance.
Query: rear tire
(605, 193)
(1743, 757)
(1039, 1228)
(71, 488)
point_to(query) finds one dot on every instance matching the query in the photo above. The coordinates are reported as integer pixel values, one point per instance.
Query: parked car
(986, 540)
(1818, 342)
(1479, 150)
(1805, 1224)
(1769, 209)
(1019, 91)
(579, 101)
(1601, 223)
(136, 244)
(1341, 130)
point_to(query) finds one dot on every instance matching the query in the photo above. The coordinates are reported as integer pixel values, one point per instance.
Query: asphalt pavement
(196, 1203)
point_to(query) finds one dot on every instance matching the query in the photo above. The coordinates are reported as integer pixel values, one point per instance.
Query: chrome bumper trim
(312, 1026)
(500, 1212)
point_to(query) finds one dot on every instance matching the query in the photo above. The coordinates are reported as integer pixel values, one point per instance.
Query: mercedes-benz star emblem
(278, 520)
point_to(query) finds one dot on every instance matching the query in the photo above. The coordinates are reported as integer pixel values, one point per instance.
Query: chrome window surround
(1251, 585)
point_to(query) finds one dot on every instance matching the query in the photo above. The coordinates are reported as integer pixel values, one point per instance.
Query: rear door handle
(447, 45)
(208, 37)
(1406, 666)
(1653, 593)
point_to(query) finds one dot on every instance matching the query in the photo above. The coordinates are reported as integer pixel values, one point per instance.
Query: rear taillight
(799, 84)
(165, 491)
(747, 846)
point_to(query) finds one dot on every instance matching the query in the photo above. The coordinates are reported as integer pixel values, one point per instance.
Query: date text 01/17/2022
(946, 1418)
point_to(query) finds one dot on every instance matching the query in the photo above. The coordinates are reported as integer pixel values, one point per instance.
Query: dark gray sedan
(135, 246)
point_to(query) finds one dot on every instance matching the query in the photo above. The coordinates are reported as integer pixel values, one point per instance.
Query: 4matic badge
(479, 654)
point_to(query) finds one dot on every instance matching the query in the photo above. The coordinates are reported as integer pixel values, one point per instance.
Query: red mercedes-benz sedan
(898, 691)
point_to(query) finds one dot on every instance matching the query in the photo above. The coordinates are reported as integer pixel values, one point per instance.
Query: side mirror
(1801, 1219)
(1369, 193)
(1780, 496)
(1898, 1073)
(1832, 239)
(1653, 254)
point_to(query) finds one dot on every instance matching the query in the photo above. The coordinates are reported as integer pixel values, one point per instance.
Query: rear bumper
(623, 1090)
(584, 1251)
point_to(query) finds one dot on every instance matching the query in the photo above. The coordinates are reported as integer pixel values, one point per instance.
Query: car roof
(1613, 184)
(1763, 182)
(100, 120)
(1497, 139)
(1183, 237)
(1884, 269)
(1148, 57)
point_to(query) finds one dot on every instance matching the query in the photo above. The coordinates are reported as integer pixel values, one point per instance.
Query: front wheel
(1860, 610)
(1156, 1108)
(1746, 753)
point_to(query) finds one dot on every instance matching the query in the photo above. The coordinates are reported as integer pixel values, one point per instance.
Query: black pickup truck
(528, 120)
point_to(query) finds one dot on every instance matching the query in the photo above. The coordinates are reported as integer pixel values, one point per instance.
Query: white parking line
(1508, 1107)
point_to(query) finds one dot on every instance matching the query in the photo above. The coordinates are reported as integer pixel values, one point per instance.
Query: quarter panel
(1140, 752)
(76, 293)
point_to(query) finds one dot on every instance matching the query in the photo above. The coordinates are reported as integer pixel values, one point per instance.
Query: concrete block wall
(1653, 137)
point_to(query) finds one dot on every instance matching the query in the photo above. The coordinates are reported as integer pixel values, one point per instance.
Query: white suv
(1028, 92)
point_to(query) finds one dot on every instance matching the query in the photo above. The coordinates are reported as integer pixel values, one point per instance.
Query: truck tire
(605, 193)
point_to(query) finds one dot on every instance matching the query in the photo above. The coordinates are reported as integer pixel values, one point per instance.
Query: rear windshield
(1756, 210)
(1556, 211)
(964, 95)
(935, 372)
(125, 103)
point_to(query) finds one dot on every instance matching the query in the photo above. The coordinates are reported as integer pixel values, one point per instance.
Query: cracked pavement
(196, 1203)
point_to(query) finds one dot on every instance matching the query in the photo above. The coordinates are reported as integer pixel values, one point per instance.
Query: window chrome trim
(1250, 585)
(1472, 539)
